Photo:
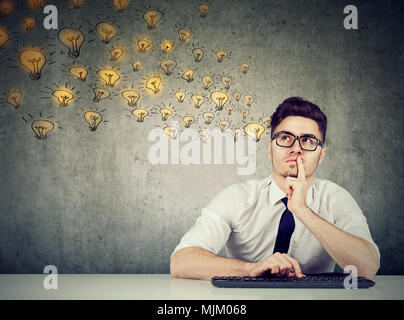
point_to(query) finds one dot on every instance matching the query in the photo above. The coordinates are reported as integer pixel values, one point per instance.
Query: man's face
(284, 158)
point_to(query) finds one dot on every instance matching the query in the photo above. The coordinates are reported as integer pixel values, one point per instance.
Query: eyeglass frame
(319, 142)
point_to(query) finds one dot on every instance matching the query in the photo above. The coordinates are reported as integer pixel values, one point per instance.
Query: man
(287, 224)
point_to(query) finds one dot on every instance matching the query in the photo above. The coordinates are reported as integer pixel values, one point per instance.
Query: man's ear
(270, 149)
(322, 155)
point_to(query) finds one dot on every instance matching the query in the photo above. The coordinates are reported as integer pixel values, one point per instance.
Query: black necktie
(285, 230)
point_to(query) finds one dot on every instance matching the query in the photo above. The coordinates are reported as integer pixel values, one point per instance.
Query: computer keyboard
(320, 280)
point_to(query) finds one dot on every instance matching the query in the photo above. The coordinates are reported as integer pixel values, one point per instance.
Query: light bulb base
(35, 75)
(92, 128)
(74, 54)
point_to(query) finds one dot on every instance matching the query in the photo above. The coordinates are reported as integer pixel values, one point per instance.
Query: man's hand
(278, 264)
(297, 189)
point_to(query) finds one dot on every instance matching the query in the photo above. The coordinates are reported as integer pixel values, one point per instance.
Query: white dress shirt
(244, 218)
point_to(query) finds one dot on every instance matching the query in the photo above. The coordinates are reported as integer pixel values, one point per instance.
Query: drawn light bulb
(137, 65)
(229, 110)
(267, 121)
(198, 54)
(79, 72)
(143, 45)
(208, 116)
(248, 100)
(207, 81)
(221, 55)
(168, 65)
(171, 131)
(219, 98)
(180, 95)
(14, 98)
(236, 133)
(203, 135)
(244, 113)
(236, 96)
(29, 24)
(93, 119)
(140, 113)
(116, 53)
(254, 130)
(152, 18)
(41, 128)
(167, 46)
(188, 120)
(203, 9)
(223, 125)
(153, 84)
(106, 31)
(120, 5)
(77, 3)
(34, 60)
(100, 94)
(63, 96)
(4, 36)
(131, 96)
(184, 35)
(188, 75)
(109, 76)
(198, 100)
(6, 7)
(72, 39)
(227, 81)
(37, 4)
(244, 67)
(166, 112)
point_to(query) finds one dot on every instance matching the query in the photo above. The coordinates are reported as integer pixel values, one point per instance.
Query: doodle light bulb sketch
(106, 31)
(203, 135)
(152, 18)
(267, 121)
(219, 98)
(77, 3)
(168, 65)
(203, 9)
(244, 113)
(79, 72)
(6, 7)
(248, 98)
(36, 4)
(167, 46)
(64, 96)
(109, 76)
(180, 95)
(120, 5)
(4, 36)
(166, 112)
(29, 24)
(137, 65)
(116, 53)
(198, 54)
(14, 98)
(72, 39)
(131, 96)
(171, 131)
(223, 125)
(93, 119)
(41, 128)
(188, 75)
(227, 81)
(198, 100)
(244, 67)
(188, 120)
(208, 116)
(254, 130)
(100, 94)
(153, 84)
(184, 35)
(140, 113)
(143, 45)
(229, 110)
(221, 54)
(33, 60)
(207, 81)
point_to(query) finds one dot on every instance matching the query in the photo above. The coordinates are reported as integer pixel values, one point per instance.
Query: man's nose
(296, 147)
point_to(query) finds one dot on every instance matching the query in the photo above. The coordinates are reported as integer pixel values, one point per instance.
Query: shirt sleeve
(349, 217)
(213, 227)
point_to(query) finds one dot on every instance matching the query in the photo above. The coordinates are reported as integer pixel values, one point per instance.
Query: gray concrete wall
(91, 202)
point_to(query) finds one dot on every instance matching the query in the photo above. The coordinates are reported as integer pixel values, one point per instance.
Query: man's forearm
(198, 263)
(344, 248)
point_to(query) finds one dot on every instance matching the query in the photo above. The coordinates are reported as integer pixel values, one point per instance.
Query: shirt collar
(276, 193)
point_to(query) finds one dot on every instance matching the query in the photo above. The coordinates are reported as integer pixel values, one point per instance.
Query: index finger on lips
(300, 169)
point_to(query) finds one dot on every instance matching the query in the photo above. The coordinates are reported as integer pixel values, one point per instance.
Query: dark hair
(296, 106)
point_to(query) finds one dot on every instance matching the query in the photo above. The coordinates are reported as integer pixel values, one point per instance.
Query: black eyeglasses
(287, 139)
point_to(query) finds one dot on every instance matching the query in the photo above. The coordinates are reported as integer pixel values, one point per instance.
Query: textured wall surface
(91, 202)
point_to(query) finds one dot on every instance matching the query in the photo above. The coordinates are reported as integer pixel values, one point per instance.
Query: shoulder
(332, 192)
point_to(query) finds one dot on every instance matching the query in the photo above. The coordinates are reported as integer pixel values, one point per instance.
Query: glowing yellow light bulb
(188, 120)
(198, 100)
(229, 110)
(106, 31)
(224, 124)
(244, 113)
(109, 76)
(34, 60)
(203, 9)
(41, 128)
(120, 5)
(79, 72)
(166, 112)
(208, 116)
(207, 81)
(254, 130)
(153, 84)
(171, 131)
(184, 35)
(72, 39)
(14, 98)
(137, 65)
(219, 98)
(100, 94)
(168, 65)
(6, 7)
(37, 4)
(244, 67)
(236, 96)
(131, 96)
(140, 113)
(29, 24)
(63, 96)
(116, 53)
(167, 46)
(180, 95)
(267, 121)
(4, 36)
(152, 18)
(198, 54)
(203, 135)
(143, 45)
(248, 99)
(93, 119)
(188, 75)
(221, 54)
(77, 3)
(227, 81)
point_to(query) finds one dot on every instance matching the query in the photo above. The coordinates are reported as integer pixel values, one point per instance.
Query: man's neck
(281, 181)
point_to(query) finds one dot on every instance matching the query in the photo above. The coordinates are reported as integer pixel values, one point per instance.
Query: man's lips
(291, 160)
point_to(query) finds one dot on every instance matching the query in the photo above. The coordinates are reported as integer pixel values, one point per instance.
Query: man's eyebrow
(302, 135)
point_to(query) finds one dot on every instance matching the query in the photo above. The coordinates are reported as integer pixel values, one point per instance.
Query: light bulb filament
(35, 64)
